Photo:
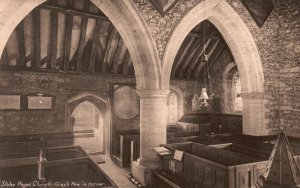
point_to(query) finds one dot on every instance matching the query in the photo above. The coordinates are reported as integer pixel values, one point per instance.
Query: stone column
(153, 132)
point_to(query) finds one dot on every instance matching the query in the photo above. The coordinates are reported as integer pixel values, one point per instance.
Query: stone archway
(124, 16)
(243, 48)
(102, 104)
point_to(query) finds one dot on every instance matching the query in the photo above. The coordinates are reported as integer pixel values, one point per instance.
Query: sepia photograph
(150, 93)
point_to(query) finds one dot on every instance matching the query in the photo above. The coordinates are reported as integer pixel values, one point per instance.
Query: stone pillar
(153, 132)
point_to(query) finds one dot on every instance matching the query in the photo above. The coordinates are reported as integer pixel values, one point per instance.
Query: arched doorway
(243, 49)
(89, 118)
(87, 122)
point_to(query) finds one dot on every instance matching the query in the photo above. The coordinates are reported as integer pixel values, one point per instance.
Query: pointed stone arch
(124, 16)
(103, 105)
(243, 49)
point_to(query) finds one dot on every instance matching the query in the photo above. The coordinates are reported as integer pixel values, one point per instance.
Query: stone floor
(116, 173)
(90, 144)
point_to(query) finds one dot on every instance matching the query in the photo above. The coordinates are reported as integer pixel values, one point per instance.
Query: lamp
(203, 97)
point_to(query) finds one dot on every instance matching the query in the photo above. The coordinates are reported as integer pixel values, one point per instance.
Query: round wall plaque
(126, 102)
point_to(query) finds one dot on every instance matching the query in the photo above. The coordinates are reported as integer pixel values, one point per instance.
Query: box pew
(123, 146)
(177, 133)
(220, 123)
(214, 167)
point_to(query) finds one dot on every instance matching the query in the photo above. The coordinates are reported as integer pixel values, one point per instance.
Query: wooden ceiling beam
(126, 56)
(74, 12)
(36, 63)
(98, 58)
(130, 68)
(126, 62)
(211, 61)
(68, 41)
(113, 51)
(130, 64)
(180, 51)
(198, 58)
(115, 58)
(4, 57)
(21, 43)
(194, 56)
(79, 59)
(180, 56)
(82, 39)
(215, 58)
(188, 60)
(197, 36)
(53, 40)
(118, 62)
(201, 65)
(95, 43)
(111, 32)
(199, 32)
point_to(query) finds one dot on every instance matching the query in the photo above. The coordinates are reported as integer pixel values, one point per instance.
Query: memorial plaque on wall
(126, 102)
(10, 102)
(39, 102)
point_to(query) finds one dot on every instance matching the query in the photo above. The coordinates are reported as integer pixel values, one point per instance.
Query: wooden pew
(210, 167)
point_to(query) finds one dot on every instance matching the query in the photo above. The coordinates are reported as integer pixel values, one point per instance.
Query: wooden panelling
(230, 123)
(123, 154)
(204, 172)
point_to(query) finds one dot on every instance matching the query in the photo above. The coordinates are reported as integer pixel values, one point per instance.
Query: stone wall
(289, 61)
(266, 39)
(161, 27)
(216, 73)
(62, 86)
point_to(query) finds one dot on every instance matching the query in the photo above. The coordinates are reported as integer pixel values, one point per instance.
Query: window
(173, 108)
(237, 92)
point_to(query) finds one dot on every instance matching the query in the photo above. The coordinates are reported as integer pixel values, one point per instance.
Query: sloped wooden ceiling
(189, 62)
(68, 36)
(75, 36)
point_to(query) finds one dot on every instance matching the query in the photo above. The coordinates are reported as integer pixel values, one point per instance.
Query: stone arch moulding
(227, 90)
(103, 106)
(124, 16)
(243, 49)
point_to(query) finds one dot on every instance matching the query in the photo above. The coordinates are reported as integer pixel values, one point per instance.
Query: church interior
(150, 93)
